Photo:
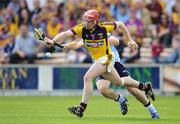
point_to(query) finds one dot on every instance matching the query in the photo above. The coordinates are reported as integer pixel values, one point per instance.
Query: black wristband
(43, 36)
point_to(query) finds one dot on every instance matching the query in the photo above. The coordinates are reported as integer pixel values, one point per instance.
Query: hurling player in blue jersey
(103, 84)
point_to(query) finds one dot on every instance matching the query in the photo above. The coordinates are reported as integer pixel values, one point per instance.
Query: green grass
(53, 110)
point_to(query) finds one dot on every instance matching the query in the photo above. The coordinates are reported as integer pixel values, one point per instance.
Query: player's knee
(87, 78)
(119, 82)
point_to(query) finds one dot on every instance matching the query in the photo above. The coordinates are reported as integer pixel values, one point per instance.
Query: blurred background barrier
(17, 77)
(67, 79)
(171, 78)
(72, 77)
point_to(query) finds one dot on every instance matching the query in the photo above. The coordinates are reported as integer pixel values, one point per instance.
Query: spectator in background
(7, 28)
(169, 5)
(156, 49)
(60, 13)
(93, 5)
(24, 17)
(37, 23)
(104, 11)
(53, 27)
(2, 57)
(15, 5)
(174, 57)
(138, 5)
(37, 7)
(44, 15)
(1, 17)
(10, 45)
(135, 27)
(26, 47)
(7, 50)
(23, 5)
(72, 20)
(113, 8)
(24, 13)
(163, 31)
(155, 11)
(175, 17)
(143, 14)
(4, 3)
(123, 13)
(51, 7)
(119, 11)
(10, 13)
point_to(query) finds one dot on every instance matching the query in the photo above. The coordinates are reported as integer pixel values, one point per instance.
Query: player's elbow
(120, 25)
(74, 47)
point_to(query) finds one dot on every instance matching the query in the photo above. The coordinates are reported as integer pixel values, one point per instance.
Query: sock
(147, 104)
(83, 106)
(151, 108)
(120, 98)
(142, 86)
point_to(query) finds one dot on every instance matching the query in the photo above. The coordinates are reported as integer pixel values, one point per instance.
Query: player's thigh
(122, 71)
(102, 84)
(95, 70)
(113, 76)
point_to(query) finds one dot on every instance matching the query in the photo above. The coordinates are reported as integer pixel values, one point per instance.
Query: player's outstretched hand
(65, 47)
(133, 45)
(39, 35)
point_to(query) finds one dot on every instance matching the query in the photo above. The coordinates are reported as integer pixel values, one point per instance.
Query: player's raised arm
(131, 43)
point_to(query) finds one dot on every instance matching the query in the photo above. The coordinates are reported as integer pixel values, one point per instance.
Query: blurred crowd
(156, 20)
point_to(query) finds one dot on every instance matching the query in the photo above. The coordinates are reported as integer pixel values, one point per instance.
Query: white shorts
(103, 60)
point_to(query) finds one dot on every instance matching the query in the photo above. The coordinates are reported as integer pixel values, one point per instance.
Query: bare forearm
(59, 37)
(73, 45)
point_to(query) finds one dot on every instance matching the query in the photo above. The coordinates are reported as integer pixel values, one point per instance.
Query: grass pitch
(53, 110)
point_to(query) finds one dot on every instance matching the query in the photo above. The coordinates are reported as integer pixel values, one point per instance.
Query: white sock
(120, 98)
(151, 108)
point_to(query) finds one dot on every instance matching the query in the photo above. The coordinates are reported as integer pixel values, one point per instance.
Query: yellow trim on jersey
(77, 30)
(110, 26)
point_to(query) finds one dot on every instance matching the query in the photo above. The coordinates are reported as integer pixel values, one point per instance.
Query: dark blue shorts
(122, 71)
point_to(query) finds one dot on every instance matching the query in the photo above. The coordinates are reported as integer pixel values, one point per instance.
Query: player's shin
(129, 82)
(87, 92)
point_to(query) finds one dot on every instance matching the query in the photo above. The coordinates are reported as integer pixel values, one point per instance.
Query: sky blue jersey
(116, 54)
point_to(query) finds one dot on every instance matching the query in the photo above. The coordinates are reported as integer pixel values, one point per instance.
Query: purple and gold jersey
(96, 40)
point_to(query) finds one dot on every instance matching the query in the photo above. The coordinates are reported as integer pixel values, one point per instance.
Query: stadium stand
(159, 20)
